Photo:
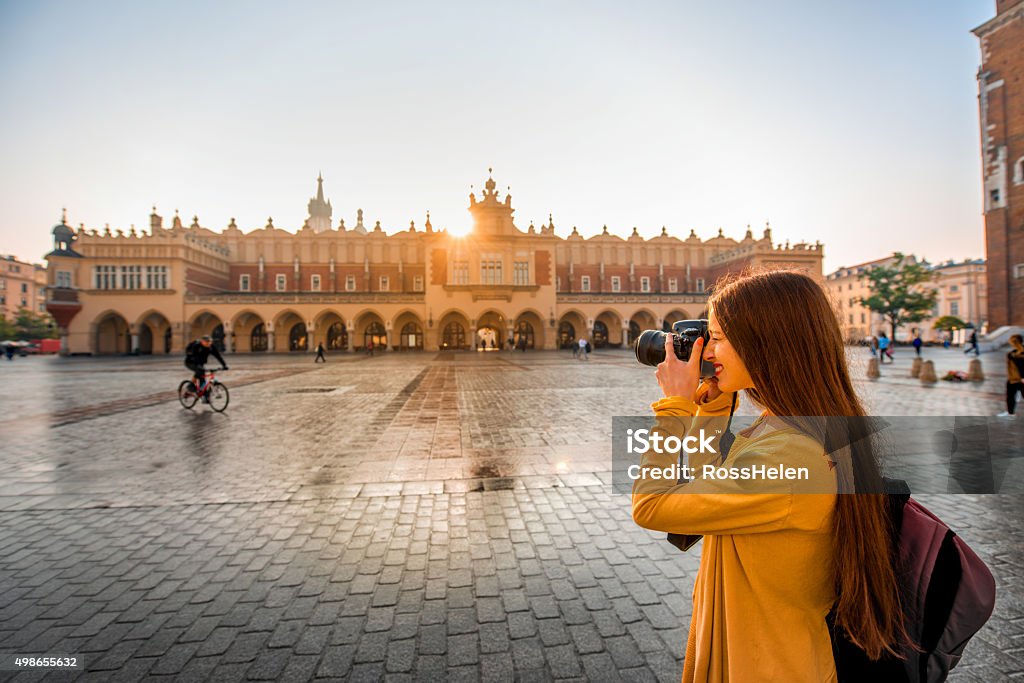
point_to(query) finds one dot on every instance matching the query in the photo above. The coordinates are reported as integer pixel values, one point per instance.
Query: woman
(774, 563)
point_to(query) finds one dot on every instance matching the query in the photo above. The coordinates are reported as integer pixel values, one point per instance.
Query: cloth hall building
(272, 290)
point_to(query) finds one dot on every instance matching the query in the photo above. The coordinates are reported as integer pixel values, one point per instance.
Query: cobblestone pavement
(409, 516)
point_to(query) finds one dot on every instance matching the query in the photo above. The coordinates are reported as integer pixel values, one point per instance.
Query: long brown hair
(783, 327)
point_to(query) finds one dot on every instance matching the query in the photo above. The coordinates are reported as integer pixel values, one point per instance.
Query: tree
(897, 291)
(7, 329)
(948, 322)
(29, 325)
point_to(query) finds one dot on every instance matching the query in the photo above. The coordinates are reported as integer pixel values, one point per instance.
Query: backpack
(588, 347)
(947, 591)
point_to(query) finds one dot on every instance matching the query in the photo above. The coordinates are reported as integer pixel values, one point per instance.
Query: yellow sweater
(765, 579)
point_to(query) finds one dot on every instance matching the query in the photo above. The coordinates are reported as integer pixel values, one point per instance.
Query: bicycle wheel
(187, 394)
(218, 397)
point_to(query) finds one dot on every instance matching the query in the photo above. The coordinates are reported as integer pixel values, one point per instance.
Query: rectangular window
(24, 288)
(700, 284)
(616, 283)
(521, 273)
(384, 284)
(460, 273)
(314, 283)
(282, 282)
(954, 308)
(1018, 271)
(861, 318)
(673, 285)
(417, 283)
(3, 284)
(64, 279)
(851, 318)
(954, 288)
(585, 283)
(490, 270)
(42, 307)
(645, 284)
(350, 283)
(243, 283)
(105, 277)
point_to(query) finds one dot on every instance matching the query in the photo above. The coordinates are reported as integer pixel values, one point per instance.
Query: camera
(650, 345)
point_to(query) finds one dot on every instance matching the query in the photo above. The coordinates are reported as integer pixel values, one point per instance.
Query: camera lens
(650, 347)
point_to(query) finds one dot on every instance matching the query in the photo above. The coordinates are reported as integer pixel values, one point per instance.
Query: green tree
(948, 322)
(898, 291)
(29, 325)
(7, 329)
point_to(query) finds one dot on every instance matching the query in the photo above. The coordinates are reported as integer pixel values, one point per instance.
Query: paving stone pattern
(405, 517)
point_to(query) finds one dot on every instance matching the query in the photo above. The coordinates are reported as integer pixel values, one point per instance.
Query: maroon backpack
(947, 591)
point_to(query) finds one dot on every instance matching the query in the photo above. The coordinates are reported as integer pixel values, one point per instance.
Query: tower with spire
(492, 215)
(319, 210)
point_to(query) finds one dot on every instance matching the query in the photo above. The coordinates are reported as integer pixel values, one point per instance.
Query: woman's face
(730, 371)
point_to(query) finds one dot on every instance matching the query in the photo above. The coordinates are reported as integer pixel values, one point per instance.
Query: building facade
(271, 290)
(1001, 113)
(962, 292)
(22, 286)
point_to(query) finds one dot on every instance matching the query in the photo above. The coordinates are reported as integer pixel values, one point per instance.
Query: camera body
(650, 345)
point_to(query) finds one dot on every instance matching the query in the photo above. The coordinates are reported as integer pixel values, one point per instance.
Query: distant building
(348, 287)
(961, 287)
(22, 285)
(1001, 112)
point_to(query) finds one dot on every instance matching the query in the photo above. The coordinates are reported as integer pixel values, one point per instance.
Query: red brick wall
(438, 267)
(1003, 125)
(542, 266)
(204, 282)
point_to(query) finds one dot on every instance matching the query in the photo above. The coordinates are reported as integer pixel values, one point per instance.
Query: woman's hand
(679, 378)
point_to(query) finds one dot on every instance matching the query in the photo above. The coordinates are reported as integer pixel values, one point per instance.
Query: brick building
(1001, 109)
(270, 289)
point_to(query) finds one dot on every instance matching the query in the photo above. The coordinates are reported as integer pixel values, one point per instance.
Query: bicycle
(215, 393)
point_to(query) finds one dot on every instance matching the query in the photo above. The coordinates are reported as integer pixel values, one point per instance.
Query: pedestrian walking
(369, 348)
(511, 343)
(320, 354)
(1014, 374)
(575, 350)
(973, 341)
(837, 545)
(583, 344)
(918, 344)
(884, 349)
(9, 351)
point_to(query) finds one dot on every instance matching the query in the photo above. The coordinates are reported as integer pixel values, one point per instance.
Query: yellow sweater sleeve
(731, 506)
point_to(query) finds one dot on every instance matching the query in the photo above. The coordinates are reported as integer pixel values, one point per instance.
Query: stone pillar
(350, 330)
(270, 338)
(873, 372)
(63, 340)
(974, 372)
(928, 373)
(510, 335)
(915, 367)
(625, 336)
(472, 338)
(310, 336)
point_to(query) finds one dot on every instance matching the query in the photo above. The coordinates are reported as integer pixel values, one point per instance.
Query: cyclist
(196, 355)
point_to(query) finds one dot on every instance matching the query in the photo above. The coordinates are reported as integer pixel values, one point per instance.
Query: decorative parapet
(307, 298)
(634, 298)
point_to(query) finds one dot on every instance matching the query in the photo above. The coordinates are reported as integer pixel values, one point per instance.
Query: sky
(851, 123)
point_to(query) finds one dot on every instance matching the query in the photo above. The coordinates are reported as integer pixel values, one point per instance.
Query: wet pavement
(408, 515)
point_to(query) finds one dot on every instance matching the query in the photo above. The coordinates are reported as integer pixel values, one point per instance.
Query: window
(851, 318)
(24, 288)
(645, 284)
(63, 279)
(700, 284)
(460, 273)
(3, 284)
(851, 301)
(490, 270)
(994, 194)
(105, 277)
(24, 302)
(585, 283)
(616, 283)
(954, 288)
(281, 282)
(673, 285)
(384, 283)
(954, 308)
(862, 319)
(3, 300)
(131, 277)
(314, 283)
(417, 283)
(1018, 271)
(42, 307)
(521, 273)
(1018, 172)
(350, 283)
(243, 283)
(156, 277)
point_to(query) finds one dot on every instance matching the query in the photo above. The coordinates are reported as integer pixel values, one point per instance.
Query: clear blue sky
(852, 123)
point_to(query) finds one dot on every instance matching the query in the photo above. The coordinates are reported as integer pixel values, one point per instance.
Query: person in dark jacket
(319, 354)
(197, 354)
(1014, 374)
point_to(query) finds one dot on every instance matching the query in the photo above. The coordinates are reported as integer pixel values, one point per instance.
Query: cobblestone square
(411, 516)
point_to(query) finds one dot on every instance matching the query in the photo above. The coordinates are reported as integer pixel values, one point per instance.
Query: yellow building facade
(271, 290)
